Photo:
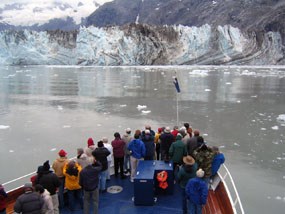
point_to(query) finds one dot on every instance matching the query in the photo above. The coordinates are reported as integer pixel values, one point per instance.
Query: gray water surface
(45, 109)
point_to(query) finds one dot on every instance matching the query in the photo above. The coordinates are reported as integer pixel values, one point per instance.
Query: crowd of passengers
(195, 163)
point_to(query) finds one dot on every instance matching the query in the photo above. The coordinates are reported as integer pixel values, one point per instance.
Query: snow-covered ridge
(137, 44)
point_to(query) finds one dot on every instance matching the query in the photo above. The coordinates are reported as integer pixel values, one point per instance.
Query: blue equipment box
(146, 184)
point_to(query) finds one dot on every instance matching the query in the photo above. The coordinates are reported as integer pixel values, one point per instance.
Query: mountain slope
(244, 14)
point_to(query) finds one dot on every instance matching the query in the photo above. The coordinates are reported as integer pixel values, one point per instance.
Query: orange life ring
(162, 179)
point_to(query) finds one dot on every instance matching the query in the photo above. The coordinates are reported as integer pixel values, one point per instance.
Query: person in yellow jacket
(71, 172)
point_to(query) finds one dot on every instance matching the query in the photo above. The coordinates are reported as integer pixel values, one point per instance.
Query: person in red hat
(89, 149)
(58, 166)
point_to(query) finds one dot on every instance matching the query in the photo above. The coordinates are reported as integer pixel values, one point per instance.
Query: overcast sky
(40, 11)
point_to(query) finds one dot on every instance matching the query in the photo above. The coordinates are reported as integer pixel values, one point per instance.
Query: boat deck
(122, 202)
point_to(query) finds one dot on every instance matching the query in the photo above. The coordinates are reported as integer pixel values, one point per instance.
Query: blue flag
(176, 84)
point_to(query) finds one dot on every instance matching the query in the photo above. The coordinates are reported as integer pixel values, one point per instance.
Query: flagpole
(177, 110)
(176, 84)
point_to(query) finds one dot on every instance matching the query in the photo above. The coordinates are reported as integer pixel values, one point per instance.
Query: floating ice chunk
(254, 96)
(228, 83)
(199, 72)
(125, 86)
(236, 144)
(281, 118)
(140, 107)
(66, 126)
(207, 89)
(99, 124)
(155, 89)
(60, 108)
(214, 2)
(123, 105)
(278, 198)
(205, 134)
(275, 142)
(248, 73)
(238, 101)
(146, 111)
(263, 129)
(53, 149)
(4, 127)
(11, 150)
(275, 127)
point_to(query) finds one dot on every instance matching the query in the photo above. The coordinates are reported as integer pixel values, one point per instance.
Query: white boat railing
(231, 189)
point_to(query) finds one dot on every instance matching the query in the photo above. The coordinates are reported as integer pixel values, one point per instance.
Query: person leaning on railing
(3, 196)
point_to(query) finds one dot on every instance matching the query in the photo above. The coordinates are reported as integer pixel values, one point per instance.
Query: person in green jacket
(186, 172)
(177, 151)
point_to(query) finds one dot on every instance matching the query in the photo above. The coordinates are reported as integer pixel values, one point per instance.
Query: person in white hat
(197, 192)
(127, 138)
(29, 202)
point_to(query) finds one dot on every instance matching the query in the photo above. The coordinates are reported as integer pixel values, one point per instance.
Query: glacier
(141, 44)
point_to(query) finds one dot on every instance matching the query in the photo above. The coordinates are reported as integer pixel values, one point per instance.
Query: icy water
(239, 109)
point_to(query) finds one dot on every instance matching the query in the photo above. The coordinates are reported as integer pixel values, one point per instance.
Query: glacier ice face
(137, 44)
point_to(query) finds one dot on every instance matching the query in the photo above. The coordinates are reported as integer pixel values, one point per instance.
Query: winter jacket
(148, 141)
(29, 203)
(166, 139)
(127, 138)
(185, 173)
(118, 148)
(72, 177)
(204, 157)
(101, 154)
(110, 149)
(192, 145)
(89, 176)
(218, 160)
(49, 181)
(48, 205)
(3, 196)
(177, 151)
(197, 191)
(58, 165)
(137, 148)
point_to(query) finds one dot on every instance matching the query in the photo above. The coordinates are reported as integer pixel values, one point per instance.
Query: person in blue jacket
(218, 160)
(197, 193)
(137, 150)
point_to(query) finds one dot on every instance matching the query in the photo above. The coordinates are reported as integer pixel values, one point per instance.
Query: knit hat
(46, 166)
(167, 130)
(178, 137)
(105, 140)
(128, 130)
(159, 130)
(62, 153)
(100, 143)
(40, 169)
(28, 185)
(188, 160)
(90, 142)
(147, 131)
(200, 173)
